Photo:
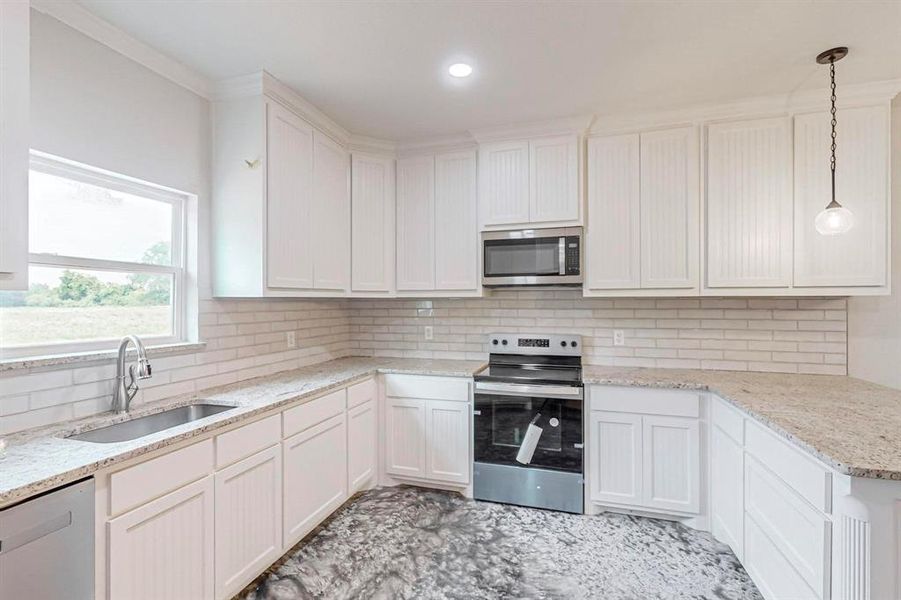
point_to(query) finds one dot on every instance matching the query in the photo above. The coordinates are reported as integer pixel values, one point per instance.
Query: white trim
(561, 126)
(81, 19)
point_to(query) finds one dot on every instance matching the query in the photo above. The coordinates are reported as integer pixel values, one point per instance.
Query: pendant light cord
(832, 161)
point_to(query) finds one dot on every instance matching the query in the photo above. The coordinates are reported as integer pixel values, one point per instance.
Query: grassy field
(31, 325)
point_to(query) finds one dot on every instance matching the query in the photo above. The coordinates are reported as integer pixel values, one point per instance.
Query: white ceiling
(379, 68)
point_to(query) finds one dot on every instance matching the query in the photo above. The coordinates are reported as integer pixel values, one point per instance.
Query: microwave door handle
(561, 255)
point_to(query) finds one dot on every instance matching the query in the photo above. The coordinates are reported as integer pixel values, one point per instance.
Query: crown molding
(79, 18)
(447, 143)
(371, 145)
(563, 126)
(849, 96)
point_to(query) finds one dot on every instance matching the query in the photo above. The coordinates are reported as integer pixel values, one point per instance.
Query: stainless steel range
(528, 422)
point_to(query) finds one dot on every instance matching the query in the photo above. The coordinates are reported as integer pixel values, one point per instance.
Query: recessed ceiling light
(460, 70)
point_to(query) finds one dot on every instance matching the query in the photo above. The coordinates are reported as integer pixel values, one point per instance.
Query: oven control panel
(547, 344)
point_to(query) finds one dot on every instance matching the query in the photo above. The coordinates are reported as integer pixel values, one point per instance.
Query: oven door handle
(519, 389)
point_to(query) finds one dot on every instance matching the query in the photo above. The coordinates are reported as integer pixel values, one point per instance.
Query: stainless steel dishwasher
(47, 546)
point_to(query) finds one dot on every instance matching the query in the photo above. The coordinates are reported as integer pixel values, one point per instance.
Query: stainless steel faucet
(124, 393)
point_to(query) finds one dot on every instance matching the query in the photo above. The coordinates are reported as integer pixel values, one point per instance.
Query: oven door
(502, 418)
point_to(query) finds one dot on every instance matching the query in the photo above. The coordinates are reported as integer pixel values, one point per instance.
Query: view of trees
(80, 289)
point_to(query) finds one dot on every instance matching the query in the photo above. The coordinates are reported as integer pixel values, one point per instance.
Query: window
(106, 259)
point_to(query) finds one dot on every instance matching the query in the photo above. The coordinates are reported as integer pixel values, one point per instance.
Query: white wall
(874, 324)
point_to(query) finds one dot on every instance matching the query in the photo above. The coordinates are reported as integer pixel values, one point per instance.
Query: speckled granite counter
(852, 425)
(39, 459)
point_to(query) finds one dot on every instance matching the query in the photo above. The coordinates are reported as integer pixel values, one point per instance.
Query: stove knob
(563, 344)
(574, 343)
(494, 342)
(504, 342)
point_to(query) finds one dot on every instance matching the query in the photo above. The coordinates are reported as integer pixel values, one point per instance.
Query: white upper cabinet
(613, 235)
(14, 143)
(554, 179)
(504, 182)
(280, 195)
(643, 213)
(859, 256)
(289, 231)
(669, 209)
(533, 181)
(456, 225)
(749, 204)
(437, 232)
(372, 223)
(415, 223)
(331, 214)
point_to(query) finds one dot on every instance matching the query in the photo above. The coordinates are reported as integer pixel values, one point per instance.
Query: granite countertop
(852, 425)
(40, 459)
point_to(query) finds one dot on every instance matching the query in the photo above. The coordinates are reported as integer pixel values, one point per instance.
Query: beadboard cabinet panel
(14, 143)
(289, 206)
(859, 256)
(447, 433)
(554, 179)
(616, 457)
(671, 463)
(749, 204)
(456, 222)
(504, 182)
(331, 215)
(362, 446)
(372, 223)
(415, 223)
(405, 437)
(669, 209)
(613, 235)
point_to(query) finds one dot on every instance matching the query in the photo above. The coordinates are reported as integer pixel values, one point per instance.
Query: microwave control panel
(573, 254)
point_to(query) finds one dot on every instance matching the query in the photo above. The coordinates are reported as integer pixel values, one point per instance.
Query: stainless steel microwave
(532, 257)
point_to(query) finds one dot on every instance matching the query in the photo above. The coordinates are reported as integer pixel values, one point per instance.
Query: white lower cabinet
(648, 461)
(315, 476)
(727, 490)
(248, 519)
(362, 444)
(164, 549)
(427, 432)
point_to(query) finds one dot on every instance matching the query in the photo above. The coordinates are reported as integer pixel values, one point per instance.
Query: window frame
(53, 165)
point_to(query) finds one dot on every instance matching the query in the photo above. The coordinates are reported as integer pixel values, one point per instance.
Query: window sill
(78, 358)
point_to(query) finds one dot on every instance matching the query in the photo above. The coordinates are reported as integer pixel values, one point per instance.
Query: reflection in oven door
(501, 423)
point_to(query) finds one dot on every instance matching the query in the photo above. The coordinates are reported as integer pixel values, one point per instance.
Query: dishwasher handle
(36, 532)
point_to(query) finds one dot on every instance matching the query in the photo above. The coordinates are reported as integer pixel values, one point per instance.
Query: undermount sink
(135, 428)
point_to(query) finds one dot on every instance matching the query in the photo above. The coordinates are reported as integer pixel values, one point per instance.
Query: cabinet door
(14, 108)
(405, 437)
(616, 457)
(456, 231)
(504, 182)
(554, 179)
(726, 490)
(372, 223)
(447, 441)
(289, 197)
(671, 463)
(416, 223)
(248, 519)
(858, 257)
(361, 446)
(315, 476)
(613, 234)
(331, 214)
(670, 221)
(749, 204)
(164, 549)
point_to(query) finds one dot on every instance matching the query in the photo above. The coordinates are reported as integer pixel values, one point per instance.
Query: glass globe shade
(834, 220)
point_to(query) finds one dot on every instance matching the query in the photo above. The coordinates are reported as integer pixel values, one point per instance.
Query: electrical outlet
(619, 337)
(291, 339)
(428, 332)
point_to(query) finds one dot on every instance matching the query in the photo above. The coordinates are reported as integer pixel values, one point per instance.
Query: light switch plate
(428, 332)
(619, 337)
(291, 339)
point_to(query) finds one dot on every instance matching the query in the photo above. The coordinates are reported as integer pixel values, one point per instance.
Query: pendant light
(835, 218)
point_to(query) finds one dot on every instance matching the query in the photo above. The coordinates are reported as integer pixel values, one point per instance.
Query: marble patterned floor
(406, 543)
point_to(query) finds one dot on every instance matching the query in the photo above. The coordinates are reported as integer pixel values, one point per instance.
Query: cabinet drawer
(245, 441)
(800, 532)
(142, 483)
(674, 403)
(809, 479)
(427, 388)
(729, 420)
(315, 411)
(774, 575)
(361, 392)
